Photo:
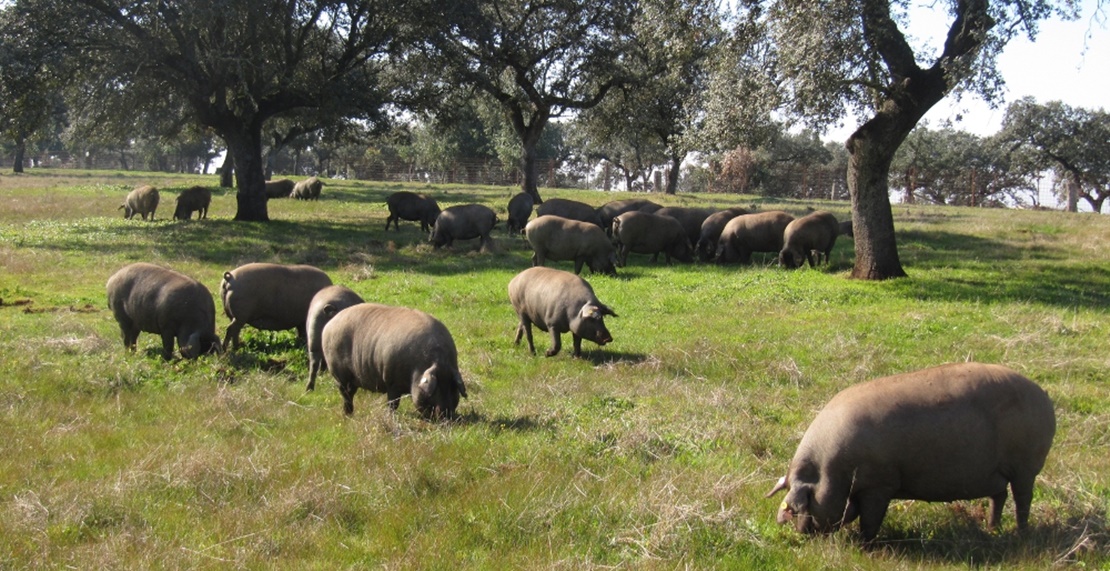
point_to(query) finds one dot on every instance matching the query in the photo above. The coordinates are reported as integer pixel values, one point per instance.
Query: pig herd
(957, 431)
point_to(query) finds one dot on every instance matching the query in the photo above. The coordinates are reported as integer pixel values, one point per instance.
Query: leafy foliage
(1075, 142)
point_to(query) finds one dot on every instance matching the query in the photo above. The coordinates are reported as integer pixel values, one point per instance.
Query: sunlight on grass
(652, 452)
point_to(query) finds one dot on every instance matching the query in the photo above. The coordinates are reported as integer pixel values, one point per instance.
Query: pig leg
(872, 508)
(129, 332)
(348, 390)
(578, 265)
(525, 328)
(232, 335)
(167, 346)
(537, 259)
(1023, 496)
(577, 345)
(394, 397)
(997, 502)
(556, 343)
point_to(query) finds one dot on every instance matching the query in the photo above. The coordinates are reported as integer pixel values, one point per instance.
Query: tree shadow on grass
(1005, 272)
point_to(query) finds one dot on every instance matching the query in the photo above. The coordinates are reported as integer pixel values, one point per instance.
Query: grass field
(653, 452)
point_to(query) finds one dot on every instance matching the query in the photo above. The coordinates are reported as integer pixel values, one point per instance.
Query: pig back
(271, 297)
(571, 209)
(378, 346)
(157, 300)
(565, 239)
(759, 232)
(550, 298)
(958, 431)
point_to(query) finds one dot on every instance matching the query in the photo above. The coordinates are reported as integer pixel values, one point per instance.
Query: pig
(279, 188)
(711, 228)
(747, 233)
(520, 210)
(463, 222)
(646, 233)
(396, 351)
(405, 205)
(308, 189)
(610, 210)
(846, 229)
(558, 302)
(690, 218)
(142, 200)
(558, 238)
(571, 209)
(325, 304)
(270, 297)
(954, 432)
(148, 298)
(194, 199)
(815, 232)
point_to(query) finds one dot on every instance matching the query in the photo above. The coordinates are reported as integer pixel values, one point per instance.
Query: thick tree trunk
(870, 151)
(529, 133)
(20, 153)
(246, 148)
(672, 174)
(528, 170)
(227, 171)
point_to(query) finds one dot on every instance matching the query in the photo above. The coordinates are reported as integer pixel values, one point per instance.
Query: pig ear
(427, 384)
(605, 310)
(461, 385)
(779, 486)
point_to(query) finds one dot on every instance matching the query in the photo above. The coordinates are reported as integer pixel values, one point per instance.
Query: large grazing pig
(405, 205)
(194, 199)
(463, 222)
(558, 238)
(953, 432)
(520, 210)
(325, 304)
(142, 201)
(811, 233)
(308, 189)
(571, 209)
(396, 351)
(279, 188)
(646, 233)
(558, 302)
(747, 233)
(271, 297)
(152, 299)
(610, 210)
(711, 228)
(690, 217)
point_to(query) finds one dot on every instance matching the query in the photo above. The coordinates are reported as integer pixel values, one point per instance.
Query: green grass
(653, 452)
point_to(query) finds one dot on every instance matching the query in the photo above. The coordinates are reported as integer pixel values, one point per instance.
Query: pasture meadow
(653, 452)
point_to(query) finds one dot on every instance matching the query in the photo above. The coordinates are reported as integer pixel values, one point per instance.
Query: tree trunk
(672, 174)
(20, 151)
(529, 183)
(246, 148)
(870, 151)
(1073, 194)
(227, 171)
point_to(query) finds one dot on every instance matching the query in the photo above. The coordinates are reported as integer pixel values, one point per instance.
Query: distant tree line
(666, 94)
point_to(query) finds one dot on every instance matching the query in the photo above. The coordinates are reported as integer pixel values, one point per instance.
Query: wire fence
(807, 183)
